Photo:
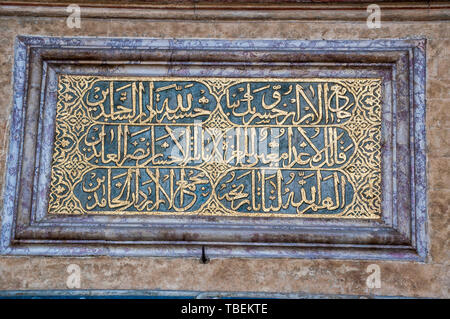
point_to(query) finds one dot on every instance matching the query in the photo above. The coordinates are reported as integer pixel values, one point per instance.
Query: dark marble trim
(174, 294)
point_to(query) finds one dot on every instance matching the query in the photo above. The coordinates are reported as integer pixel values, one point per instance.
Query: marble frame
(401, 234)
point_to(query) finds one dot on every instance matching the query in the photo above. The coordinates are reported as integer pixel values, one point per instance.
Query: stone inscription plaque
(229, 148)
(217, 146)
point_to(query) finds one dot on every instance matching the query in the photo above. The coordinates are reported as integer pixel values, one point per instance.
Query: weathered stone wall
(429, 279)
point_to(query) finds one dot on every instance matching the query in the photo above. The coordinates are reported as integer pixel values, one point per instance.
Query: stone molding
(401, 234)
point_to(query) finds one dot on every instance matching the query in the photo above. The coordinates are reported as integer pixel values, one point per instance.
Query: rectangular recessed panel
(265, 147)
(152, 147)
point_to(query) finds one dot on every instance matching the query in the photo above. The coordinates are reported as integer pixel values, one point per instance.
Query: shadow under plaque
(245, 148)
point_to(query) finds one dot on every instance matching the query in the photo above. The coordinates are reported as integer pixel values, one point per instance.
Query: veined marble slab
(153, 147)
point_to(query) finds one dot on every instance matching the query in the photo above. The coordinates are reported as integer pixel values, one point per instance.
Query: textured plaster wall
(430, 279)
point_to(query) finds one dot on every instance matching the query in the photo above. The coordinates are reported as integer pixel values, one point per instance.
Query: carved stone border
(232, 10)
(400, 234)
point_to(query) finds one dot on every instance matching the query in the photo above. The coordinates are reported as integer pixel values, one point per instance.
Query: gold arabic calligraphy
(217, 146)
